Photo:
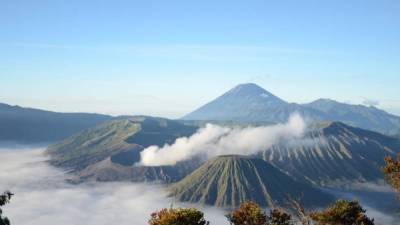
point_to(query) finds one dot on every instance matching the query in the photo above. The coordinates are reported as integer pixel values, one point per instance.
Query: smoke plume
(213, 140)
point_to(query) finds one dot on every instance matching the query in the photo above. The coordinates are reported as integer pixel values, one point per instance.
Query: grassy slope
(94, 144)
(126, 134)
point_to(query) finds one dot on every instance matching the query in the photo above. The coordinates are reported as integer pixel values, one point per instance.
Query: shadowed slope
(228, 181)
(111, 169)
(33, 125)
(334, 153)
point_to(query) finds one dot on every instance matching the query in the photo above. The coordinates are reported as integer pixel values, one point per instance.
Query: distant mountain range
(34, 125)
(251, 103)
(244, 104)
(228, 181)
(331, 154)
(105, 148)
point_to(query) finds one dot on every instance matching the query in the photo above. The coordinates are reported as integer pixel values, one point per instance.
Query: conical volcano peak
(251, 90)
(227, 181)
(247, 87)
(245, 102)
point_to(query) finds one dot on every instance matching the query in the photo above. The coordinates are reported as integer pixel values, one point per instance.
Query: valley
(320, 162)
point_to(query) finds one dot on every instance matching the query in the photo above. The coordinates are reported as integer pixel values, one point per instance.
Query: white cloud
(213, 140)
(43, 198)
(370, 102)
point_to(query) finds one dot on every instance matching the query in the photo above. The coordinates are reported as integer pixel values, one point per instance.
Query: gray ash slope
(334, 153)
(330, 154)
(228, 181)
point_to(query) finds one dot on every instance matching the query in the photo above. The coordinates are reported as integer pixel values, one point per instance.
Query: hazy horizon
(166, 59)
(108, 109)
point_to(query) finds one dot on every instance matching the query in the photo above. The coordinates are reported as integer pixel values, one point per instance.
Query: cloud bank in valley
(42, 197)
(213, 140)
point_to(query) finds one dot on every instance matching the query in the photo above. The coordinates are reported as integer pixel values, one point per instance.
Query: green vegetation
(251, 213)
(279, 217)
(178, 216)
(248, 213)
(130, 134)
(392, 172)
(4, 199)
(94, 144)
(342, 213)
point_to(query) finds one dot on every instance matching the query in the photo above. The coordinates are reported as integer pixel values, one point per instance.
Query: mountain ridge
(131, 134)
(259, 104)
(29, 125)
(244, 103)
(333, 153)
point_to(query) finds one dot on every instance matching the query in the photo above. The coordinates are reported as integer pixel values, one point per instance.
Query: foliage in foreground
(4, 199)
(247, 213)
(178, 216)
(392, 172)
(279, 217)
(250, 213)
(342, 212)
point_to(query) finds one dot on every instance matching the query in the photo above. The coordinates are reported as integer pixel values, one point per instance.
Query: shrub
(4, 199)
(249, 213)
(342, 212)
(178, 216)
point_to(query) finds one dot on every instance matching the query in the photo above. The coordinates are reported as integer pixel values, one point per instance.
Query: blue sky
(166, 58)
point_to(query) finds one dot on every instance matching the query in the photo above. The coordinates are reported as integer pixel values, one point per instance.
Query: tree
(392, 172)
(342, 212)
(250, 213)
(178, 216)
(4, 199)
(279, 217)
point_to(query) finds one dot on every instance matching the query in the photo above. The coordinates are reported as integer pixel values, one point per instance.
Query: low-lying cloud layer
(213, 140)
(42, 197)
